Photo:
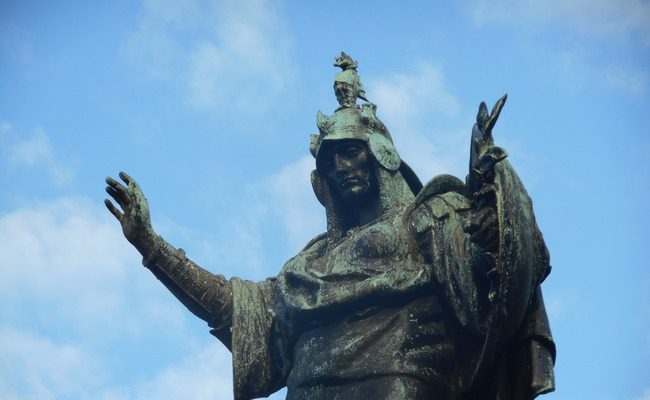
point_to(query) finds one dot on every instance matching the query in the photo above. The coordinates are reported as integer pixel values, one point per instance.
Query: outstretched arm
(206, 295)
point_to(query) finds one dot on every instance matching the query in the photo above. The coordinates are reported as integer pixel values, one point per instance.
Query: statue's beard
(359, 194)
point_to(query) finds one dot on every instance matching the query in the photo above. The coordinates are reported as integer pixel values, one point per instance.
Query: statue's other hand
(483, 228)
(134, 216)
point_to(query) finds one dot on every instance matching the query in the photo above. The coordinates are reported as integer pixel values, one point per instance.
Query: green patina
(413, 292)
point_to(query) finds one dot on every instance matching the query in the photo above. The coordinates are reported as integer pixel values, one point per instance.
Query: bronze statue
(414, 292)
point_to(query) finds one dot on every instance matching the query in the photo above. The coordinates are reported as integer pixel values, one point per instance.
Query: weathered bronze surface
(414, 292)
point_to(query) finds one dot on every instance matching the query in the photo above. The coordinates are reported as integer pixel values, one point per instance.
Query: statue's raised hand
(134, 216)
(483, 226)
(484, 155)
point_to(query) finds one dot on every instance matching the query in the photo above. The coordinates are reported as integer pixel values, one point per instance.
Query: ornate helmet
(355, 124)
(398, 184)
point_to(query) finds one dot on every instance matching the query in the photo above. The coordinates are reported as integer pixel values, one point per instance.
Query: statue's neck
(365, 212)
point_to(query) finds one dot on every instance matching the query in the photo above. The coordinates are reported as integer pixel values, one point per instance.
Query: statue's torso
(375, 332)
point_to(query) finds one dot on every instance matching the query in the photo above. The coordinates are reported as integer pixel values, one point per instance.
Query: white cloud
(588, 17)
(282, 205)
(35, 152)
(42, 237)
(67, 267)
(153, 46)
(645, 396)
(633, 82)
(32, 151)
(294, 202)
(239, 52)
(5, 129)
(596, 24)
(16, 45)
(401, 97)
(62, 253)
(422, 115)
(36, 368)
(206, 375)
(74, 300)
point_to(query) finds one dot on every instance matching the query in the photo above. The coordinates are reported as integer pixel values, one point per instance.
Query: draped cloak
(406, 296)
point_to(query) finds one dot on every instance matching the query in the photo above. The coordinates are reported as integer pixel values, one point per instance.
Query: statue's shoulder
(316, 242)
(440, 196)
(445, 187)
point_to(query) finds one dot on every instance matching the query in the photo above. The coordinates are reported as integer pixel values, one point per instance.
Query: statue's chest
(369, 251)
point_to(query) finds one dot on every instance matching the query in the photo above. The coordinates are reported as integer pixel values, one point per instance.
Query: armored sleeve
(206, 295)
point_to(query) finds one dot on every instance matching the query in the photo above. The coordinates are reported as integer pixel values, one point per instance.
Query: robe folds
(407, 304)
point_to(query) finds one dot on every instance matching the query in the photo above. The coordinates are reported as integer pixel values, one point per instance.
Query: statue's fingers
(121, 190)
(486, 194)
(487, 189)
(114, 184)
(482, 220)
(113, 210)
(488, 218)
(482, 116)
(492, 239)
(494, 115)
(487, 234)
(127, 179)
(116, 196)
(111, 182)
(489, 244)
(474, 224)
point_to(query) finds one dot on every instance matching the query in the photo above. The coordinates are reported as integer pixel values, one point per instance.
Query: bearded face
(347, 165)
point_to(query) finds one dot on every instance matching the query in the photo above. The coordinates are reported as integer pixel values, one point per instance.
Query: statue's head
(348, 167)
(355, 138)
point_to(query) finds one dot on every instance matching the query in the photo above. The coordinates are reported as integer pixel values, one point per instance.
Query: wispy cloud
(34, 367)
(587, 17)
(278, 209)
(68, 274)
(633, 82)
(646, 395)
(405, 96)
(294, 202)
(423, 116)
(205, 375)
(589, 28)
(240, 52)
(16, 44)
(63, 253)
(34, 150)
(61, 272)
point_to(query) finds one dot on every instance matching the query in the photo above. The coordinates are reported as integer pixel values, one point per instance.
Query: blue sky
(209, 105)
